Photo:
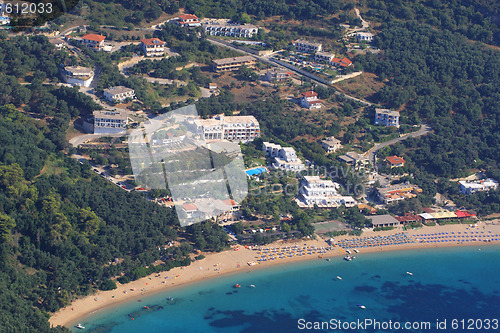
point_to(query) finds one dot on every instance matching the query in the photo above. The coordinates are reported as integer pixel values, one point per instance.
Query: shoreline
(235, 261)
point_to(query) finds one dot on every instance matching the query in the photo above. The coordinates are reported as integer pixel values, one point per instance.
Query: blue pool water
(255, 171)
(447, 283)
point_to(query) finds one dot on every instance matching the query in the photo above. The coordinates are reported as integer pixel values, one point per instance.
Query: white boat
(348, 258)
(338, 277)
(348, 251)
(356, 250)
(80, 326)
(361, 306)
(252, 285)
(409, 273)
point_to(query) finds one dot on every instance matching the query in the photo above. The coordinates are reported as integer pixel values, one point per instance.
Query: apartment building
(309, 100)
(306, 46)
(223, 27)
(469, 187)
(233, 64)
(392, 193)
(323, 57)
(331, 144)
(78, 76)
(93, 41)
(386, 117)
(153, 47)
(187, 20)
(231, 128)
(271, 149)
(110, 122)
(278, 75)
(118, 93)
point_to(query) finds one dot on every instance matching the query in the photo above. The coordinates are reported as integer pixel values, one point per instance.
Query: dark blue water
(453, 284)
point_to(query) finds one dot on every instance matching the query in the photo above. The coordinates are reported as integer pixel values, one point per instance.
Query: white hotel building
(323, 193)
(231, 128)
(223, 27)
(307, 47)
(285, 158)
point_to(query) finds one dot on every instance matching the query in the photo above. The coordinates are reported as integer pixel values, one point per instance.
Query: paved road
(372, 152)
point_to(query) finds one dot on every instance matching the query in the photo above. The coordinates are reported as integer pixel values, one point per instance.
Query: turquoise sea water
(448, 283)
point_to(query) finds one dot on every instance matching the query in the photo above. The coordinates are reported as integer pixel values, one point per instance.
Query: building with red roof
(344, 62)
(153, 47)
(188, 20)
(309, 100)
(93, 41)
(395, 161)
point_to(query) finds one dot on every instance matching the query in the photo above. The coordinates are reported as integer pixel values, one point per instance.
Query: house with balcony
(233, 64)
(342, 63)
(187, 20)
(278, 75)
(309, 100)
(284, 158)
(331, 144)
(386, 117)
(224, 27)
(153, 47)
(365, 37)
(93, 41)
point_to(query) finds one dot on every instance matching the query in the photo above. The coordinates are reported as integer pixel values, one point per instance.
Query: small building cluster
(285, 158)
(118, 94)
(386, 117)
(469, 187)
(153, 47)
(322, 193)
(224, 27)
(233, 64)
(310, 100)
(393, 193)
(231, 128)
(320, 56)
(78, 76)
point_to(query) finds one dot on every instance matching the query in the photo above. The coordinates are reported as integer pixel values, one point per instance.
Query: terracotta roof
(346, 61)
(395, 160)
(230, 202)
(428, 210)
(94, 37)
(188, 17)
(189, 207)
(152, 41)
(309, 94)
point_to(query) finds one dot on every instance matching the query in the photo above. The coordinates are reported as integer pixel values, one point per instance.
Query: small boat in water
(146, 307)
(338, 277)
(170, 298)
(361, 306)
(409, 273)
(237, 286)
(327, 259)
(252, 285)
(80, 326)
(349, 258)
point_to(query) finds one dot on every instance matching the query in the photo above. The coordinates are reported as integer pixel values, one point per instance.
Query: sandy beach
(235, 261)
